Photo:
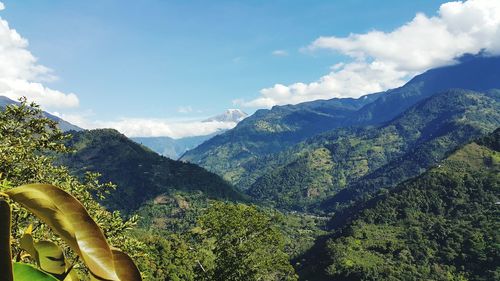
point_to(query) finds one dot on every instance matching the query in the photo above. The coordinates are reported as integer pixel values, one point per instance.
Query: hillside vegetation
(139, 173)
(442, 225)
(359, 161)
(238, 153)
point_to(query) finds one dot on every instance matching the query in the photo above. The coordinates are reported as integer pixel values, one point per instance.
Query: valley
(327, 186)
(250, 140)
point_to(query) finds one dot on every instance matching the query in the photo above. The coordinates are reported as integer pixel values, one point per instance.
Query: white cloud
(21, 75)
(2, 6)
(347, 80)
(160, 127)
(149, 127)
(280, 53)
(383, 60)
(48, 98)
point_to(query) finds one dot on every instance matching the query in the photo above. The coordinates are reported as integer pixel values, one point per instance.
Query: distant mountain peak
(230, 115)
(63, 125)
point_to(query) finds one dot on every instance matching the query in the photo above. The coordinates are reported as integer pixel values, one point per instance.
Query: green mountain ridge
(270, 131)
(358, 161)
(235, 153)
(442, 225)
(139, 173)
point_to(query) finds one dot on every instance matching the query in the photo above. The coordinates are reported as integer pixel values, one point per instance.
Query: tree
(28, 142)
(246, 244)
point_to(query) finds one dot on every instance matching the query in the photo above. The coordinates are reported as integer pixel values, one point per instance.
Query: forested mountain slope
(442, 225)
(139, 173)
(269, 131)
(357, 161)
(234, 154)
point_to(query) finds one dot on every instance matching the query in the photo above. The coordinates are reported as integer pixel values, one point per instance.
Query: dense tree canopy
(442, 225)
(246, 244)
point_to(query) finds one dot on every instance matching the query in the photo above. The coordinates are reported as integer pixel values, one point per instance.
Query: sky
(154, 68)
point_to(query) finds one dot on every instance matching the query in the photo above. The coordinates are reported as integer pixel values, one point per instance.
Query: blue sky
(173, 60)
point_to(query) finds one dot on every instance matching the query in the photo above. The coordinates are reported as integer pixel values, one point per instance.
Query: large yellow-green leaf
(50, 257)
(125, 266)
(5, 252)
(26, 272)
(26, 242)
(72, 276)
(69, 219)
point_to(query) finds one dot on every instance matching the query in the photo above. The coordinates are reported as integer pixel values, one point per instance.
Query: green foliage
(26, 272)
(175, 259)
(28, 142)
(173, 213)
(351, 163)
(442, 225)
(228, 242)
(140, 174)
(246, 244)
(178, 213)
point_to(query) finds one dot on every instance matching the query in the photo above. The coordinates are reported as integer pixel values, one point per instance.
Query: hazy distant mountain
(175, 148)
(172, 148)
(230, 115)
(63, 125)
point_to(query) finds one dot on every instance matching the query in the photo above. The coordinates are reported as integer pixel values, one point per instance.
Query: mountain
(269, 131)
(63, 125)
(139, 173)
(442, 225)
(175, 148)
(230, 115)
(350, 163)
(172, 148)
(234, 153)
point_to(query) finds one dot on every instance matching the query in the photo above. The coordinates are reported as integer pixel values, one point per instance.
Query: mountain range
(401, 185)
(255, 154)
(175, 148)
(442, 225)
(352, 162)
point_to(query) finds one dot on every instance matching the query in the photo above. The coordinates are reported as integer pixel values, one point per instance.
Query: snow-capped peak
(230, 115)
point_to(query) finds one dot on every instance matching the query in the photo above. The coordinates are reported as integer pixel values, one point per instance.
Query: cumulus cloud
(160, 127)
(149, 127)
(48, 98)
(347, 80)
(21, 75)
(383, 60)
